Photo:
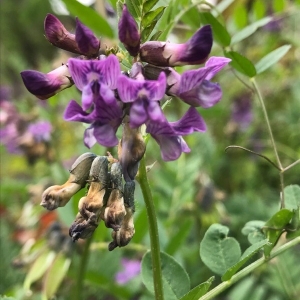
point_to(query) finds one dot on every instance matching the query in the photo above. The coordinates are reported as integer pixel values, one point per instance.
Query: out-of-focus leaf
(192, 18)
(134, 8)
(248, 30)
(220, 33)
(147, 31)
(38, 268)
(244, 258)
(274, 228)
(292, 196)
(199, 290)
(259, 9)
(271, 58)
(155, 36)
(241, 63)
(56, 274)
(294, 226)
(148, 5)
(178, 238)
(240, 15)
(218, 251)
(221, 7)
(278, 5)
(90, 18)
(152, 16)
(253, 229)
(176, 282)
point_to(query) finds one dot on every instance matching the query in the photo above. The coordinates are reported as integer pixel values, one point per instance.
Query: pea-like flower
(169, 135)
(195, 51)
(128, 32)
(44, 86)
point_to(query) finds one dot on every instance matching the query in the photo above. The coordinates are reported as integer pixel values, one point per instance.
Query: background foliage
(204, 187)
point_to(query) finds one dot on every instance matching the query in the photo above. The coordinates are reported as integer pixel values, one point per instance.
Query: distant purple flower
(144, 96)
(44, 86)
(128, 32)
(241, 111)
(194, 87)
(105, 117)
(9, 138)
(169, 135)
(90, 74)
(195, 51)
(87, 42)
(40, 130)
(131, 269)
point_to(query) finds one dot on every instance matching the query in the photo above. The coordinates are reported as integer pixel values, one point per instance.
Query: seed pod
(90, 206)
(59, 195)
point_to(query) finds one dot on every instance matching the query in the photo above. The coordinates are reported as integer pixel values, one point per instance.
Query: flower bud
(87, 42)
(130, 151)
(194, 51)
(44, 86)
(59, 195)
(81, 228)
(90, 206)
(59, 36)
(114, 212)
(128, 32)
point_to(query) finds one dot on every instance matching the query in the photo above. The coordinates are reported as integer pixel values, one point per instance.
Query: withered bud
(81, 228)
(114, 212)
(123, 236)
(90, 206)
(59, 195)
(129, 189)
(131, 149)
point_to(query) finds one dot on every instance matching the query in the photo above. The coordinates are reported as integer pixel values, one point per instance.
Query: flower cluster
(111, 97)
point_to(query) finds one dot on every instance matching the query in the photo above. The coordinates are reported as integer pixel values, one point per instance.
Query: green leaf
(199, 290)
(220, 33)
(274, 228)
(152, 16)
(278, 5)
(148, 5)
(147, 31)
(294, 226)
(244, 258)
(221, 7)
(55, 275)
(155, 36)
(248, 30)
(259, 9)
(253, 229)
(271, 58)
(217, 251)
(134, 8)
(38, 268)
(292, 196)
(240, 15)
(176, 282)
(241, 63)
(90, 18)
(192, 18)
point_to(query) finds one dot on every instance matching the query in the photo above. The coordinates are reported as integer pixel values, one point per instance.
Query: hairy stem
(153, 230)
(238, 276)
(82, 268)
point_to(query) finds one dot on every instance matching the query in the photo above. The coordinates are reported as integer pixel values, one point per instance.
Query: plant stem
(153, 230)
(291, 165)
(82, 268)
(238, 276)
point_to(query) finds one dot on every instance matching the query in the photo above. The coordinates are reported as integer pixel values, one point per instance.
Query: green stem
(82, 268)
(153, 230)
(291, 165)
(238, 276)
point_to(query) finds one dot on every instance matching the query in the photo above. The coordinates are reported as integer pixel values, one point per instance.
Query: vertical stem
(267, 121)
(153, 231)
(82, 268)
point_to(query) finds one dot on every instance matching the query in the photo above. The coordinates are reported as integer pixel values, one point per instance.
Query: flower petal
(74, 112)
(89, 138)
(215, 64)
(138, 114)
(154, 112)
(105, 134)
(128, 88)
(79, 70)
(157, 88)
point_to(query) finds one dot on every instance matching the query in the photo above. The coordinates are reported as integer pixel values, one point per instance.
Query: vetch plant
(126, 91)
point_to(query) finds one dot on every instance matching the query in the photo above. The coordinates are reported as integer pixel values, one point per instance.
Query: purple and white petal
(74, 112)
(190, 122)
(138, 113)
(110, 71)
(215, 64)
(89, 137)
(128, 88)
(154, 112)
(80, 69)
(156, 88)
(105, 134)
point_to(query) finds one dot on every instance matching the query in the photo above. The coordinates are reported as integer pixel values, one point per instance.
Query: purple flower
(144, 96)
(105, 117)
(128, 32)
(88, 75)
(40, 130)
(194, 87)
(44, 86)
(131, 269)
(241, 111)
(84, 42)
(194, 51)
(87, 42)
(169, 135)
